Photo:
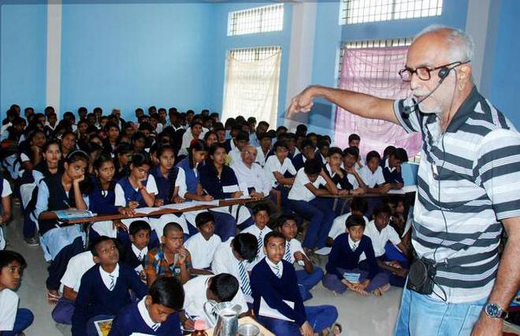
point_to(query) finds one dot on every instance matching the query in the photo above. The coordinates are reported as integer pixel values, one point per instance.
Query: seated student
(339, 176)
(310, 276)
(171, 184)
(70, 282)
(380, 232)
(104, 288)
(193, 132)
(304, 200)
(225, 224)
(61, 193)
(170, 259)
(259, 230)
(122, 157)
(308, 151)
(137, 189)
(203, 245)
(392, 168)
(353, 253)
(102, 199)
(264, 148)
(222, 287)
(358, 206)
(241, 140)
(220, 181)
(232, 257)
(30, 150)
(372, 175)
(275, 285)
(135, 253)
(281, 172)
(13, 320)
(353, 141)
(350, 157)
(5, 208)
(322, 151)
(156, 313)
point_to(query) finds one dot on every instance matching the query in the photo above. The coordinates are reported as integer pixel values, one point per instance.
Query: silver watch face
(493, 310)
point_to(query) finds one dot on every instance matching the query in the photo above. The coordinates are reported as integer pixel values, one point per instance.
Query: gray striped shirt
(468, 180)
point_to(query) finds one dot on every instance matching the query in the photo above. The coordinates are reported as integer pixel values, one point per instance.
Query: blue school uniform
(94, 298)
(102, 202)
(191, 175)
(132, 195)
(391, 176)
(129, 320)
(297, 161)
(165, 186)
(217, 186)
(274, 290)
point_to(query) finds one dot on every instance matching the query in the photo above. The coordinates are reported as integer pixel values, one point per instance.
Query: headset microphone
(443, 73)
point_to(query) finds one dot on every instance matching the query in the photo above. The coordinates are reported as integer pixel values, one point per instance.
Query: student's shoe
(32, 241)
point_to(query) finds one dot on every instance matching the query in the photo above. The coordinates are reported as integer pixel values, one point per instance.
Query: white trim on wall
(53, 83)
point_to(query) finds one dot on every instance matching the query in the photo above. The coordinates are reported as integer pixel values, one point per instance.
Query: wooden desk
(244, 320)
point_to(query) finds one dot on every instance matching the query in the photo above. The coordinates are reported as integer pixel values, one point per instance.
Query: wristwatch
(493, 310)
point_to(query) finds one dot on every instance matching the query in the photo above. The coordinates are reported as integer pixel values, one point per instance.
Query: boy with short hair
(104, 288)
(13, 320)
(170, 258)
(259, 230)
(344, 265)
(372, 175)
(275, 287)
(350, 159)
(358, 206)
(310, 276)
(139, 233)
(222, 287)
(392, 168)
(203, 245)
(156, 314)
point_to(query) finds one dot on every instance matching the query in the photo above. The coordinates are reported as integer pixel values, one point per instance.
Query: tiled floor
(360, 316)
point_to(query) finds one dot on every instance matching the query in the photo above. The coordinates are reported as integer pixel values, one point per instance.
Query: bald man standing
(467, 189)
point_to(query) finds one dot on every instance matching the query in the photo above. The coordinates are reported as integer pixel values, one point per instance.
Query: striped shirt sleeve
(498, 171)
(409, 121)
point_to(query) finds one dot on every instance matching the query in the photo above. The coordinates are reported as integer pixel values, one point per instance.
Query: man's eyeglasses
(424, 73)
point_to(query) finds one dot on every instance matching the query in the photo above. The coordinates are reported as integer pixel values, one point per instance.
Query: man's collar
(464, 111)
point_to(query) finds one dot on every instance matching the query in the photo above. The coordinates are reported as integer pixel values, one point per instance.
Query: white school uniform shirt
(8, 309)
(142, 252)
(338, 225)
(187, 138)
(202, 250)
(225, 262)
(253, 177)
(255, 231)
(276, 268)
(141, 307)
(260, 156)
(299, 192)
(379, 239)
(235, 155)
(6, 189)
(273, 165)
(195, 297)
(77, 266)
(371, 179)
(105, 276)
(353, 180)
(151, 187)
(291, 247)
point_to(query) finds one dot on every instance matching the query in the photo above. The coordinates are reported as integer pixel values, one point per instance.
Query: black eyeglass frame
(449, 66)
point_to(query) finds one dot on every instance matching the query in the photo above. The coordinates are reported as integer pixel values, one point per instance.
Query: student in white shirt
(372, 175)
(5, 207)
(304, 201)
(222, 287)
(193, 132)
(350, 157)
(259, 230)
(263, 149)
(70, 283)
(309, 276)
(240, 141)
(232, 257)
(203, 245)
(358, 206)
(280, 170)
(13, 320)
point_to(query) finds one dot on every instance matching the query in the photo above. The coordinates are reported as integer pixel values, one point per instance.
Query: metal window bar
(256, 20)
(360, 11)
(254, 54)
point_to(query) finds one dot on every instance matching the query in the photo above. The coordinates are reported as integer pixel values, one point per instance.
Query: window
(252, 83)
(360, 11)
(256, 20)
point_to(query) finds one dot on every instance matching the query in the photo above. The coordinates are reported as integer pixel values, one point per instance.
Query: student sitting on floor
(381, 233)
(139, 234)
(275, 287)
(104, 288)
(13, 320)
(259, 230)
(70, 283)
(358, 206)
(222, 287)
(204, 244)
(304, 200)
(170, 259)
(156, 313)
(232, 257)
(310, 276)
(351, 255)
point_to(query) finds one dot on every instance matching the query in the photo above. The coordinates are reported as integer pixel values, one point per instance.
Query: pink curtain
(374, 71)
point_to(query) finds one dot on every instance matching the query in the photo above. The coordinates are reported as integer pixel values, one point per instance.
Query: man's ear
(96, 259)
(464, 75)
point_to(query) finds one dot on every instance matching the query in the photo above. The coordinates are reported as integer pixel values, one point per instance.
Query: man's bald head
(458, 44)
(248, 154)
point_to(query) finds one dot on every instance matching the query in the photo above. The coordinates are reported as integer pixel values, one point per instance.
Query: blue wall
(224, 43)
(23, 56)
(136, 55)
(506, 66)
(330, 35)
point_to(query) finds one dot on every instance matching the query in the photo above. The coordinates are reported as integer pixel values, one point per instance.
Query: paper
(230, 189)
(209, 203)
(179, 206)
(73, 214)
(267, 311)
(146, 211)
(323, 251)
(103, 327)
(352, 277)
